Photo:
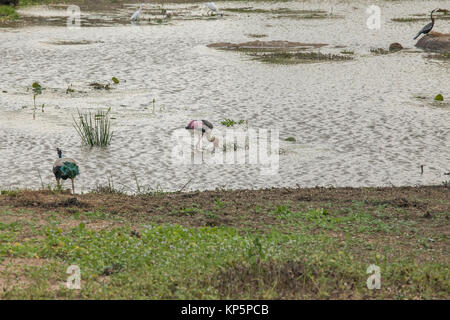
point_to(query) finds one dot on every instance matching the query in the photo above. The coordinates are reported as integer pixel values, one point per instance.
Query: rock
(435, 41)
(395, 47)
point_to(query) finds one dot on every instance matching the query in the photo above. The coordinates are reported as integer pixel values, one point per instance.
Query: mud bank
(435, 41)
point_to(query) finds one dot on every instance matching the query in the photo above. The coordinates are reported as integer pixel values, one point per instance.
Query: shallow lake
(370, 121)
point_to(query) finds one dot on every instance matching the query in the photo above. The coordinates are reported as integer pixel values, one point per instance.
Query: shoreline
(266, 244)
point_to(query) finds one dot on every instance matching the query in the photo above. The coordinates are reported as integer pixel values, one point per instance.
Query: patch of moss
(8, 13)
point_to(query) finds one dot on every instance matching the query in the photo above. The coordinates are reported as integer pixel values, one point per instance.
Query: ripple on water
(356, 123)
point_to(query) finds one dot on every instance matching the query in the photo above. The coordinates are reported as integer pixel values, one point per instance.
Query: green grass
(307, 253)
(8, 13)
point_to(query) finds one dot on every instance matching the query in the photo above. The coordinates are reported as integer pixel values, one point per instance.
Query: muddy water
(357, 123)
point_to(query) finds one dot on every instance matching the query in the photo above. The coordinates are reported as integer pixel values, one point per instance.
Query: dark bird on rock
(65, 168)
(428, 27)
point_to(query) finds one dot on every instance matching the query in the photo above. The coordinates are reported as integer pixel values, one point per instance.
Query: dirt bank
(417, 203)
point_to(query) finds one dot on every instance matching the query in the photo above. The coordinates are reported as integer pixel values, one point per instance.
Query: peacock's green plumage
(70, 170)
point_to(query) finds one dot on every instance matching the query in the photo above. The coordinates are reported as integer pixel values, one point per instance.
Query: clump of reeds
(94, 128)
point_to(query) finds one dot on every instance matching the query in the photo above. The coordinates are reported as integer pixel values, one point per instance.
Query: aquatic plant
(37, 89)
(407, 19)
(228, 123)
(284, 57)
(8, 13)
(379, 51)
(115, 80)
(290, 139)
(347, 52)
(94, 129)
(439, 56)
(274, 11)
(69, 89)
(256, 35)
(100, 86)
(439, 97)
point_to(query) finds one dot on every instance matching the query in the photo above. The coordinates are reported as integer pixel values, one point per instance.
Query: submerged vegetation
(273, 11)
(285, 13)
(439, 56)
(422, 18)
(100, 86)
(257, 35)
(94, 129)
(282, 52)
(8, 13)
(379, 51)
(230, 122)
(439, 97)
(299, 57)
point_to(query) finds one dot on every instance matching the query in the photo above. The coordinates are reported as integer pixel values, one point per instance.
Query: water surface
(357, 123)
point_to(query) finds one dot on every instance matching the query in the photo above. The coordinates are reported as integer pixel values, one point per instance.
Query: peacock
(65, 168)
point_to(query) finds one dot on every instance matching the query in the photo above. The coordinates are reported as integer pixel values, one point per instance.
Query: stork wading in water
(136, 15)
(203, 127)
(65, 168)
(428, 27)
(213, 8)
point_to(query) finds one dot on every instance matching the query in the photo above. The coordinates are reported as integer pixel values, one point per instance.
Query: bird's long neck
(431, 16)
